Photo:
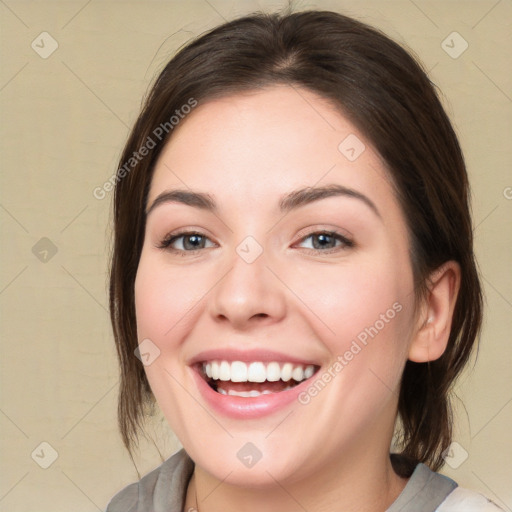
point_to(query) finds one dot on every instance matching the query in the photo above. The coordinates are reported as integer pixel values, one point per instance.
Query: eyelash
(165, 244)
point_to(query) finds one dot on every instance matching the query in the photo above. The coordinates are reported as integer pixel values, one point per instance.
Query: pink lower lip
(240, 407)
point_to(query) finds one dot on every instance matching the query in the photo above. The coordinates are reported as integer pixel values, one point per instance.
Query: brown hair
(389, 98)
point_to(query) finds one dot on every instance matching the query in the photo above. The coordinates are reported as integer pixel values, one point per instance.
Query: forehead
(260, 144)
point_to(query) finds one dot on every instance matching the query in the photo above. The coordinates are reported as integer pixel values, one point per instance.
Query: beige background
(64, 121)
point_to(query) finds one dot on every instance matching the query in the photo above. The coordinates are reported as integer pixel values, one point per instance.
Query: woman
(293, 268)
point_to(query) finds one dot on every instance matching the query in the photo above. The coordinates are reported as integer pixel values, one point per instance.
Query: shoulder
(465, 500)
(428, 491)
(162, 488)
(126, 499)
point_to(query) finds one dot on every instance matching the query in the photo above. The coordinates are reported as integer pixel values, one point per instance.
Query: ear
(435, 320)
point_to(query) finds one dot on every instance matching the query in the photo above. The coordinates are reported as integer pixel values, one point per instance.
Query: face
(278, 303)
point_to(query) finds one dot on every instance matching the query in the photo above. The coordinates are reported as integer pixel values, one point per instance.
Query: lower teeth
(246, 394)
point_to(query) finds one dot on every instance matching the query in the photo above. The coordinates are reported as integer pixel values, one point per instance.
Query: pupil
(197, 238)
(323, 237)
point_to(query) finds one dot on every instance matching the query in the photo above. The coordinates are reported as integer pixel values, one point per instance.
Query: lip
(244, 408)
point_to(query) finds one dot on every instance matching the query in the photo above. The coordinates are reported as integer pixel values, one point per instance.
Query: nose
(249, 294)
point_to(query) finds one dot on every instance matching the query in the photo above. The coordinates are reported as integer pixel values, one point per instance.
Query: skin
(247, 151)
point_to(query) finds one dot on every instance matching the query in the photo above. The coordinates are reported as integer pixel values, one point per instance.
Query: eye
(327, 241)
(189, 241)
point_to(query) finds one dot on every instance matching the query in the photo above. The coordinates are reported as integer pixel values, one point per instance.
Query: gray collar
(424, 491)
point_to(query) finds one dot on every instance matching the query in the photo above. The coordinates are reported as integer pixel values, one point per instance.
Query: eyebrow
(289, 202)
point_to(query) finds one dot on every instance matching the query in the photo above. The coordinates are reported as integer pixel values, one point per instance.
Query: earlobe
(434, 323)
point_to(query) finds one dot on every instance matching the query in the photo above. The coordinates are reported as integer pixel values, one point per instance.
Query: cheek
(349, 300)
(363, 315)
(164, 300)
(164, 304)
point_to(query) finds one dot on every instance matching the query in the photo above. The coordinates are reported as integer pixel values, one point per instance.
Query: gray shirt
(164, 490)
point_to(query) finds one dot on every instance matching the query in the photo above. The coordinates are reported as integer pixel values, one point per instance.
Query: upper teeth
(238, 371)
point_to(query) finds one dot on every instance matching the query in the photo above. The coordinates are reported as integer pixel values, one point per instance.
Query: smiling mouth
(237, 378)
